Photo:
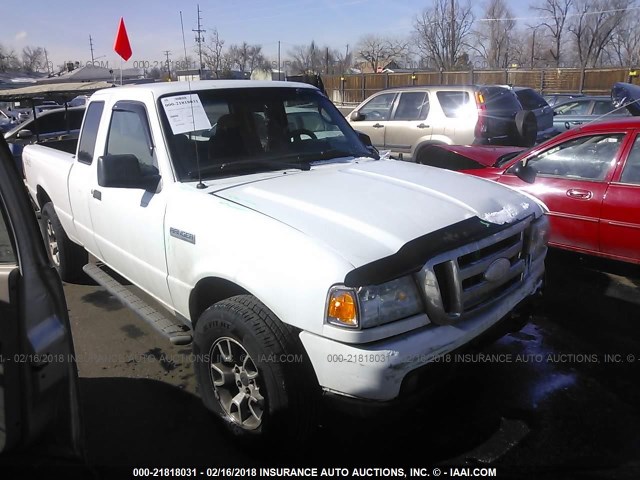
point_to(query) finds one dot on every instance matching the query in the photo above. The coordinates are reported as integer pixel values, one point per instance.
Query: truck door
(128, 222)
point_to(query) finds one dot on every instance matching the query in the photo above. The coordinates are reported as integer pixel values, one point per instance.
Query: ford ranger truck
(300, 263)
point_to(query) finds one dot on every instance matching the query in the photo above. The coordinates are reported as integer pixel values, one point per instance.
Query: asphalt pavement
(558, 399)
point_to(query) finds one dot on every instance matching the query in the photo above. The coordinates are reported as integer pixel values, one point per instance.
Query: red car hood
(483, 154)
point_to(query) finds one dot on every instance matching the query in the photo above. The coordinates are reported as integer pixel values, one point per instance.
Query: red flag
(122, 45)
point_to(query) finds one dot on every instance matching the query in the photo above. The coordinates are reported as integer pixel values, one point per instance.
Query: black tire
(66, 256)
(526, 128)
(240, 340)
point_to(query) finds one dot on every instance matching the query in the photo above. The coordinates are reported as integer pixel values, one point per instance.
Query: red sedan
(588, 177)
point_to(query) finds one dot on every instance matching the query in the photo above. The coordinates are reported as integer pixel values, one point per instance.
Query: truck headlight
(373, 305)
(537, 236)
(342, 307)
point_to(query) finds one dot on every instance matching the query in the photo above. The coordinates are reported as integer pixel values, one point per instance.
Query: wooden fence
(349, 89)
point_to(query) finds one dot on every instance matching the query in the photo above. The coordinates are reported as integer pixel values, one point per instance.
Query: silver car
(584, 110)
(407, 120)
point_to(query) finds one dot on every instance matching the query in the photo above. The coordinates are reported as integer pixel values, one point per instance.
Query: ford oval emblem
(497, 270)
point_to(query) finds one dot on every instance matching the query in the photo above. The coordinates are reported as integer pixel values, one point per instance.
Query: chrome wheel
(234, 377)
(53, 244)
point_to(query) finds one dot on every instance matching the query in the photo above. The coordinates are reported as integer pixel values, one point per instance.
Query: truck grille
(460, 282)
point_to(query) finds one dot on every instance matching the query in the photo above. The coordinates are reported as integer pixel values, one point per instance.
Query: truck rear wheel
(252, 371)
(67, 256)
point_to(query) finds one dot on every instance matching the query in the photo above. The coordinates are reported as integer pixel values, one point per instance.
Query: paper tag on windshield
(185, 113)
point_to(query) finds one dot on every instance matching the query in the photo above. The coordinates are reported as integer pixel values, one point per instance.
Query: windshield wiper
(262, 164)
(328, 154)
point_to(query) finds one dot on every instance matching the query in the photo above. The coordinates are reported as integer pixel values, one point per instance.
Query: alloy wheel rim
(53, 244)
(235, 380)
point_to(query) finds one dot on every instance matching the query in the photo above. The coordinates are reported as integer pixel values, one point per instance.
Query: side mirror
(356, 116)
(125, 171)
(24, 134)
(525, 173)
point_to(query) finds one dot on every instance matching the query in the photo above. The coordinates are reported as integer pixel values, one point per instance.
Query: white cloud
(21, 35)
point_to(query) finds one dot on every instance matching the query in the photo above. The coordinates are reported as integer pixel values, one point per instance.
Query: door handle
(422, 125)
(97, 194)
(579, 194)
(378, 125)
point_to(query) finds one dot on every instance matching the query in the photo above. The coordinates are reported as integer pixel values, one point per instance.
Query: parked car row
(585, 109)
(589, 178)
(53, 124)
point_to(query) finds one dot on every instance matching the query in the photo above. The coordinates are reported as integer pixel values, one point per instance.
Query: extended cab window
(87, 143)
(129, 134)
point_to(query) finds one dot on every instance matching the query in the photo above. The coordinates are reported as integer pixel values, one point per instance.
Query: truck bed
(47, 166)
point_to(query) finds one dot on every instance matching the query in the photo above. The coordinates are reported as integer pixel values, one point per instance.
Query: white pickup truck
(300, 262)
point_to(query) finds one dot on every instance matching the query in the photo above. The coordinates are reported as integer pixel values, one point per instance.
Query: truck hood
(368, 210)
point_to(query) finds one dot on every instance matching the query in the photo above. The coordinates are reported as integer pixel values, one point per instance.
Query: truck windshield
(222, 132)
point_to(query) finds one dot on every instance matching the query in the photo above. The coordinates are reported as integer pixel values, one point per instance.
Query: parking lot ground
(561, 397)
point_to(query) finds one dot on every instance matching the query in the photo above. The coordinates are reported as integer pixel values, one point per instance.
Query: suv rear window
(452, 101)
(530, 100)
(500, 99)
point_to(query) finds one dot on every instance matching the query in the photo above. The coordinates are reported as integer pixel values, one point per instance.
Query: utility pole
(167, 53)
(452, 44)
(533, 45)
(199, 39)
(346, 59)
(46, 59)
(279, 60)
(91, 47)
(326, 61)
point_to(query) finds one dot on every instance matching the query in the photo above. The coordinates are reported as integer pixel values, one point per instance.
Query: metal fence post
(582, 79)
(386, 80)
(363, 87)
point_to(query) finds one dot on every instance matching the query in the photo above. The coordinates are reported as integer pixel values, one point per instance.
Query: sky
(153, 26)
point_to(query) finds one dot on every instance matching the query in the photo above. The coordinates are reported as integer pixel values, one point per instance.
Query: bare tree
(304, 58)
(312, 59)
(33, 59)
(212, 52)
(8, 60)
(246, 58)
(625, 42)
(495, 34)
(593, 27)
(554, 19)
(443, 32)
(378, 51)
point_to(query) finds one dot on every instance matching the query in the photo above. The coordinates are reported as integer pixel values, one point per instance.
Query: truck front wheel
(252, 371)
(67, 256)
